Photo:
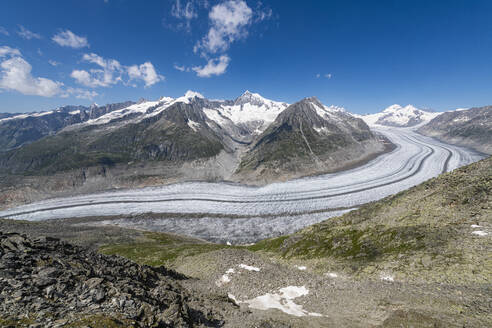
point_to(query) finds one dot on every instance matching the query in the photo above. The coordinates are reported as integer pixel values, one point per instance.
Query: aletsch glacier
(241, 214)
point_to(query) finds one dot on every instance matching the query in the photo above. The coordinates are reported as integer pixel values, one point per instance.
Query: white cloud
(181, 68)
(328, 76)
(228, 22)
(26, 34)
(8, 51)
(80, 93)
(15, 74)
(216, 66)
(53, 63)
(318, 76)
(112, 72)
(68, 39)
(4, 31)
(145, 72)
(186, 11)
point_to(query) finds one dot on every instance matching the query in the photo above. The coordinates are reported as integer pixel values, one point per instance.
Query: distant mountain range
(399, 116)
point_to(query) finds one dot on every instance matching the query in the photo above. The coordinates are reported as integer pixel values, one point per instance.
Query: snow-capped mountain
(396, 115)
(306, 138)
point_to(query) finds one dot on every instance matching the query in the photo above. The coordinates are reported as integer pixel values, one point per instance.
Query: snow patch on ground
(480, 233)
(332, 275)
(225, 278)
(282, 301)
(301, 267)
(387, 277)
(194, 125)
(249, 268)
(475, 226)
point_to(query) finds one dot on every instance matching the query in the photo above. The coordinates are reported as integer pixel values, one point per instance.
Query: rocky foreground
(45, 282)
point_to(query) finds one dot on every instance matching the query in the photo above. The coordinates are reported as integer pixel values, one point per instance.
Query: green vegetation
(425, 227)
(160, 248)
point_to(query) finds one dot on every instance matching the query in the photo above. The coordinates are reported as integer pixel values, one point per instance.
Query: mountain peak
(251, 98)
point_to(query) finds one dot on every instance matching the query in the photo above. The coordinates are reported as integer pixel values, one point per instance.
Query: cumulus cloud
(216, 66)
(228, 22)
(53, 63)
(111, 72)
(26, 34)
(68, 39)
(4, 31)
(145, 72)
(328, 76)
(15, 75)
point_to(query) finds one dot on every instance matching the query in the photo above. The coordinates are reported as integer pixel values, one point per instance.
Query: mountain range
(249, 139)
(398, 116)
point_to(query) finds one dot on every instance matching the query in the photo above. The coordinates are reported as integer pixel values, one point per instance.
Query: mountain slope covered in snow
(398, 116)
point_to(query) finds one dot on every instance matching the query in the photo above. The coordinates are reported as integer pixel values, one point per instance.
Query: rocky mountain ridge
(470, 128)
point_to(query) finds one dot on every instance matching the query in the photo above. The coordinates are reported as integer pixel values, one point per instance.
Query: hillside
(470, 128)
(308, 138)
(437, 231)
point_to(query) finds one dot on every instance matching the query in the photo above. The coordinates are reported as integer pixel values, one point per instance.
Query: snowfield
(241, 214)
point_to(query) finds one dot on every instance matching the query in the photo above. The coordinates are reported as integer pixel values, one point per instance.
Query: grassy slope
(160, 248)
(420, 233)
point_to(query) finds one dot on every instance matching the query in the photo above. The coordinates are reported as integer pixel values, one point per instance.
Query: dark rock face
(18, 132)
(56, 282)
(306, 138)
(470, 128)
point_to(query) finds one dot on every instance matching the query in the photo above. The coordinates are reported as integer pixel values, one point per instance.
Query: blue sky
(363, 55)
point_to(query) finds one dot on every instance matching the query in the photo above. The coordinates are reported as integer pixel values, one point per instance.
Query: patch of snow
(301, 267)
(387, 277)
(461, 119)
(475, 226)
(282, 301)
(224, 279)
(228, 243)
(194, 125)
(248, 267)
(332, 275)
(22, 116)
(232, 297)
(480, 233)
(75, 112)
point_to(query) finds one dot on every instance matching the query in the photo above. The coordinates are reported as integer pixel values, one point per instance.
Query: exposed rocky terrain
(309, 138)
(48, 283)
(470, 128)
